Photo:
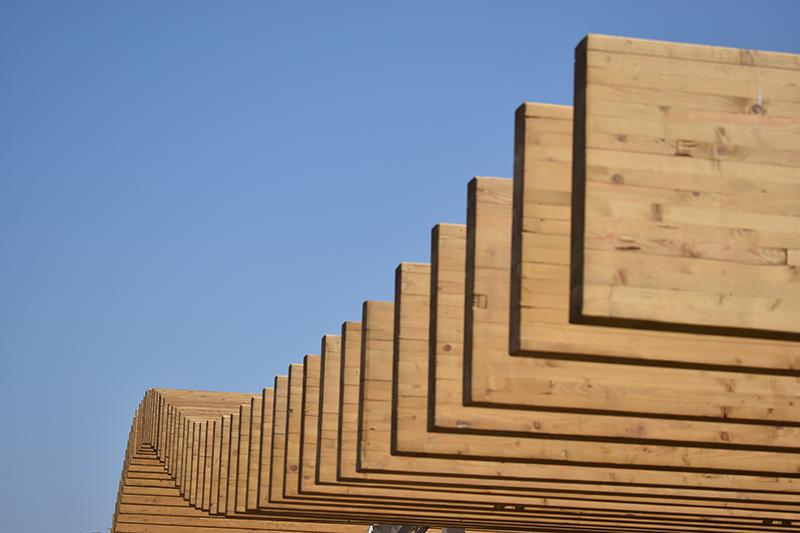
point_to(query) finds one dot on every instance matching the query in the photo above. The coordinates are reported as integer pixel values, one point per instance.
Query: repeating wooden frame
(686, 185)
(519, 381)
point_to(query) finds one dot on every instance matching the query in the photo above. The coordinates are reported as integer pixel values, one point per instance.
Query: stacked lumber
(610, 343)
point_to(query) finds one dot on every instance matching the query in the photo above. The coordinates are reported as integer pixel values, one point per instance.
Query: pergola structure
(610, 344)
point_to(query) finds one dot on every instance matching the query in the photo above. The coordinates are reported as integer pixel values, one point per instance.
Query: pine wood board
(447, 411)
(239, 479)
(241, 454)
(373, 459)
(310, 395)
(317, 465)
(414, 439)
(341, 383)
(541, 266)
(675, 405)
(426, 500)
(283, 445)
(167, 511)
(149, 501)
(703, 200)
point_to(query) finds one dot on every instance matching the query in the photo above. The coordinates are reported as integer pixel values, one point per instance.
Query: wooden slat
(541, 268)
(378, 369)
(454, 507)
(579, 520)
(450, 415)
(575, 520)
(170, 512)
(733, 407)
(284, 492)
(711, 187)
(398, 492)
(491, 393)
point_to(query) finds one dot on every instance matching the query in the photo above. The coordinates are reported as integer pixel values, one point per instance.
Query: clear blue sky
(192, 193)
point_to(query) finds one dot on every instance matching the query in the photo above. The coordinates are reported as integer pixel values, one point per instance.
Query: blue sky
(192, 193)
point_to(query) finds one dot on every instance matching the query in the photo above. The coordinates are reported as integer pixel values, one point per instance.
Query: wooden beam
(688, 172)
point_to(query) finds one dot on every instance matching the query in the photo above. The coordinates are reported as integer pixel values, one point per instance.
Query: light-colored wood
(412, 438)
(283, 493)
(254, 457)
(216, 459)
(233, 464)
(578, 516)
(293, 450)
(222, 469)
(241, 482)
(450, 415)
(422, 502)
(539, 316)
(265, 447)
(545, 487)
(397, 492)
(197, 418)
(375, 425)
(152, 507)
(491, 393)
(607, 519)
(165, 513)
(541, 271)
(320, 436)
(447, 506)
(202, 446)
(686, 215)
(733, 407)
(339, 423)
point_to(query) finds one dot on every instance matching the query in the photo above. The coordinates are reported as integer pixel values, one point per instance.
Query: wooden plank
(541, 254)
(448, 412)
(253, 456)
(339, 431)
(233, 465)
(222, 470)
(239, 479)
(539, 322)
(283, 493)
(539, 516)
(398, 492)
(712, 188)
(423, 503)
(607, 519)
(567, 433)
(713, 420)
(415, 437)
(373, 459)
(240, 453)
(216, 459)
(140, 480)
(169, 512)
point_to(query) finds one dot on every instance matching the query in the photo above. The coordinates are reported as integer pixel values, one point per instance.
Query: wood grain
(687, 187)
